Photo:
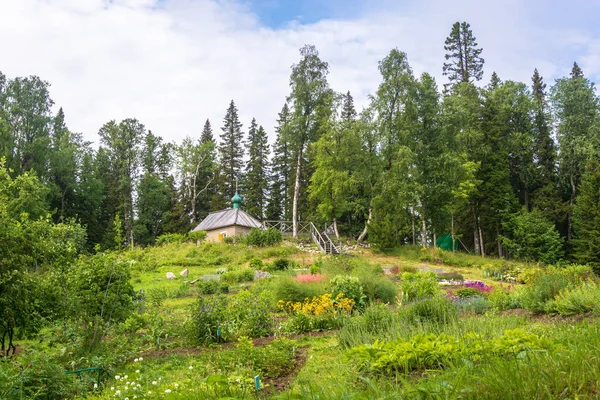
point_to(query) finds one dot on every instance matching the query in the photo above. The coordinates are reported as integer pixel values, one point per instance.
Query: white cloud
(174, 63)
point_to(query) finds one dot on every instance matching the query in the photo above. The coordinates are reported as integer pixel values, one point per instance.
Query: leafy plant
(418, 285)
(349, 287)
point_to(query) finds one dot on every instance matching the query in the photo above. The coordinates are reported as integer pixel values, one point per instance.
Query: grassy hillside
(412, 323)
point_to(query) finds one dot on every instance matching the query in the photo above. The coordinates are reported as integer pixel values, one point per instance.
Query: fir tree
(576, 72)
(279, 187)
(257, 171)
(586, 218)
(545, 197)
(207, 133)
(465, 61)
(231, 151)
(348, 110)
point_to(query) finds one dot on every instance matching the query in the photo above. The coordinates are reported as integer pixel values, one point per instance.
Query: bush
(314, 269)
(263, 238)
(437, 310)
(378, 288)
(249, 315)
(243, 275)
(450, 276)
(168, 238)
(350, 287)
(579, 300)
(504, 298)
(197, 236)
(473, 305)
(36, 376)
(546, 285)
(288, 289)
(466, 292)
(419, 285)
(534, 238)
(209, 316)
(280, 264)
(208, 287)
(256, 263)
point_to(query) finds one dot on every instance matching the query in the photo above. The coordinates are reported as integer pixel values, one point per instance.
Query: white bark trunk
(363, 234)
(296, 197)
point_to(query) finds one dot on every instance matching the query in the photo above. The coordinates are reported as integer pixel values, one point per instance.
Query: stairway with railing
(320, 238)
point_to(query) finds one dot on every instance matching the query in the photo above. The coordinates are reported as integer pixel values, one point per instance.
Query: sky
(174, 63)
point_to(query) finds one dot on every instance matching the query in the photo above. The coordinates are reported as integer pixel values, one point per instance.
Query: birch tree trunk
(296, 196)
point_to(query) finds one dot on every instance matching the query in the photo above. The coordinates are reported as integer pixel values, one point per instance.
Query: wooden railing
(321, 239)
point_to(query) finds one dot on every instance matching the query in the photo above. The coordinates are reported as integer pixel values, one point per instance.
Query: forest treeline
(509, 168)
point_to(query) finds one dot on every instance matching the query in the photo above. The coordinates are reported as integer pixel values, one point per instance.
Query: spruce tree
(280, 179)
(207, 133)
(576, 71)
(257, 171)
(586, 218)
(465, 63)
(545, 196)
(231, 152)
(348, 110)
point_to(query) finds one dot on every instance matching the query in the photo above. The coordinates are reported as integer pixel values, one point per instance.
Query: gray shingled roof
(232, 216)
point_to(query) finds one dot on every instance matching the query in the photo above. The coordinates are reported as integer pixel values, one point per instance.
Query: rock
(171, 275)
(258, 274)
(185, 272)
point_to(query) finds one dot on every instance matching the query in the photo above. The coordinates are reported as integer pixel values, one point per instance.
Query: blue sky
(174, 63)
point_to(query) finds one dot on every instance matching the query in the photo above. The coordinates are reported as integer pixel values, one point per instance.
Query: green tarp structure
(444, 242)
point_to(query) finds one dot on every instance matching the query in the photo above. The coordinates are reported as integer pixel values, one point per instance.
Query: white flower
(138, 385)
(141, 359)
(137, 371)
(126, 398)
(149, 391)
(136, 360)
(118, 392)
(191, 367)
(112, 388)
(177, 385)
(127, 383)
(168, 391)
(154, 382)
(95, 386)
(125, 377)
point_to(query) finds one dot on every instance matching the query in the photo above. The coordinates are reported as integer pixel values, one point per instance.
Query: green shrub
(378, 317)
(249, 315)
(256, 263)
(350, 287)
(288, 289)
(157, 295)
(168, 238)
(450, 276)
(242, 275)
(378, 288)
(463, 293)
(263, 238)
(546, 285)
(280, 264)
(36, 376)
(197, 236)
(473, 305)
(209, 316)
(436, 310)
(314, 269)
(208, 287)
(419, 285)
(533, 238)
(582, 299)
(504, 298)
